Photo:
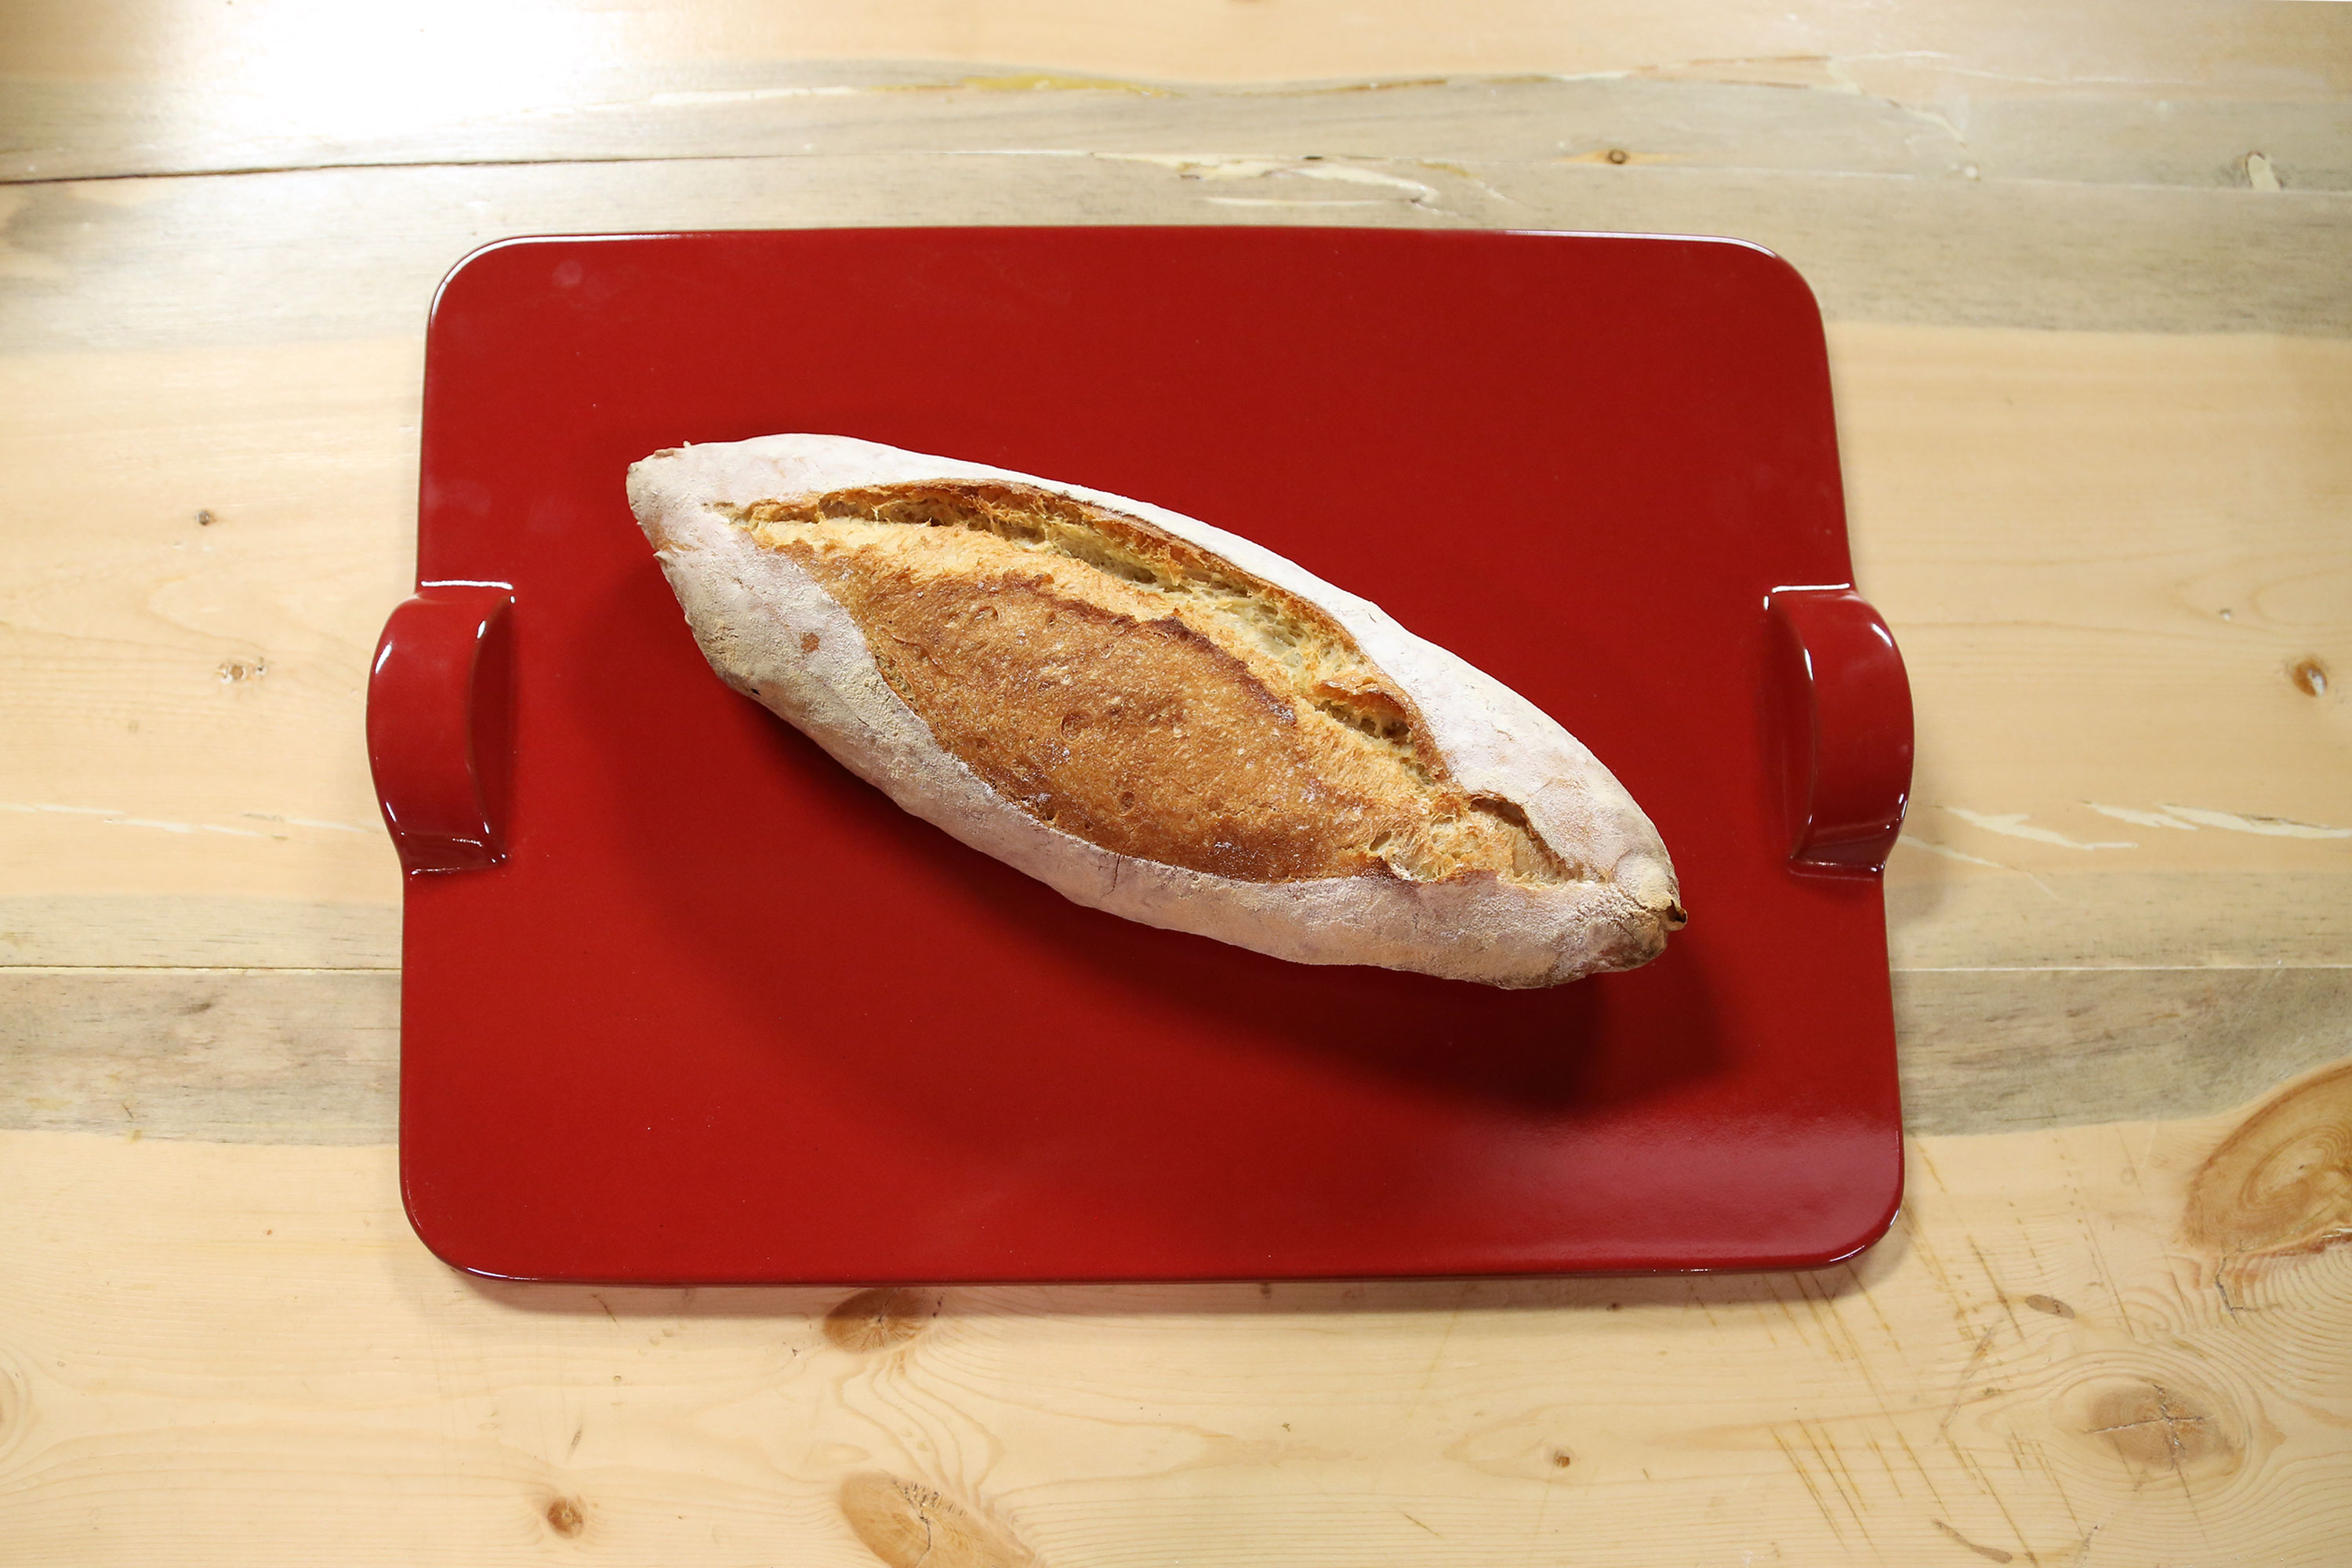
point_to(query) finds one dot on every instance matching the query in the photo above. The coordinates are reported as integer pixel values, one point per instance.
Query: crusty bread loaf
(1152, 716)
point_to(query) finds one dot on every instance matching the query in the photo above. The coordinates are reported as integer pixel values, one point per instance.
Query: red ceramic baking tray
(684, 1001)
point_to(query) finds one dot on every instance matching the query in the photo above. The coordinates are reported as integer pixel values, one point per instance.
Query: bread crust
(769, 612)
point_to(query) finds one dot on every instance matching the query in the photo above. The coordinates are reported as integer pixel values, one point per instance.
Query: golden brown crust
(1142, 736)
(1486, 779)
(1129, 688)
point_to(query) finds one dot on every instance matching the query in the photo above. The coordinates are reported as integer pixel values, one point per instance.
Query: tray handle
(1842, 707)
(440, 725)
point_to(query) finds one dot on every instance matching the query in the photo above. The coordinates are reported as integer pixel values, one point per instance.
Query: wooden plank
(2121, 1341)
(2115, 609)
(2053, 522)
(274, 1056)
(1806, 115)
(1948, 915)
(185, 698)
(290, 1057)
(2007, 1050)
(2104, 47)
(245, 261)
(151, 86)
(198, 930)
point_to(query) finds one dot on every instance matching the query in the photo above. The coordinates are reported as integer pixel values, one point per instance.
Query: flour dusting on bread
(1155, 717)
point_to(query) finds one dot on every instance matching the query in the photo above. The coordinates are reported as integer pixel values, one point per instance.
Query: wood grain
(240, 1055)
(1795, 115)
(151, 86)
(200, 930)
(249, 260)
(2102, 602)
(2004, 1050)
(2100, 1341)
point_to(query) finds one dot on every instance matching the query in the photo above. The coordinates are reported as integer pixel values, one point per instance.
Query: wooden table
(2089, 285)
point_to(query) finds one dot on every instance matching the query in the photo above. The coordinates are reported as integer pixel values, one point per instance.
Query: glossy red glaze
(724, 1013)
(1845, 708)
(440, 726)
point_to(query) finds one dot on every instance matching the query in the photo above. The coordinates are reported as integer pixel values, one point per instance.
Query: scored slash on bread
(1152, 716)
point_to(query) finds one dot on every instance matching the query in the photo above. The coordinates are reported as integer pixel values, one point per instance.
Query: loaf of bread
(1154, 717)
